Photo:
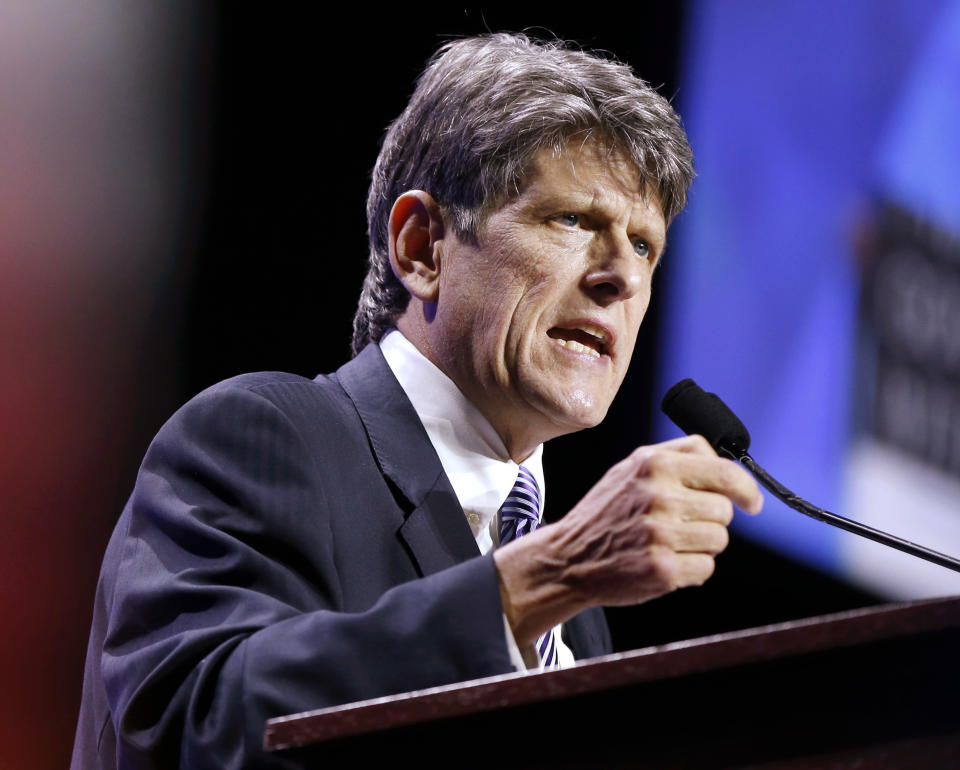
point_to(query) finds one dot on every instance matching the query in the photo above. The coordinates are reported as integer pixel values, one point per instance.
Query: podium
(878, 687)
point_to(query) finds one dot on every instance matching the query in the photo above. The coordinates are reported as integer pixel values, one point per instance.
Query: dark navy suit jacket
(290, 544)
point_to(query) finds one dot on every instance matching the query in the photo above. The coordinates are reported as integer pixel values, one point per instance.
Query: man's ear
(415, 230)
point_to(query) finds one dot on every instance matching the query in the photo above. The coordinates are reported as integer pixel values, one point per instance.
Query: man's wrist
(535, 589)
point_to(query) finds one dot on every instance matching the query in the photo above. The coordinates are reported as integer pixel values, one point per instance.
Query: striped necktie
(520, 515)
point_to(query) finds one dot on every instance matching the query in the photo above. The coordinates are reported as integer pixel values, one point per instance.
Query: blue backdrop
(802, 116)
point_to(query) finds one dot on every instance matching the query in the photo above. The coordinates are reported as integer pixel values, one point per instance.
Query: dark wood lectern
(871, 688)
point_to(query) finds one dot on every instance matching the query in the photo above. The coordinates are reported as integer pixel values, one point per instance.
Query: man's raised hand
(652, 524)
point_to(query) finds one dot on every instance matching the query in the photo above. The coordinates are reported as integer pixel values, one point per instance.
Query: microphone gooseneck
(694, 410)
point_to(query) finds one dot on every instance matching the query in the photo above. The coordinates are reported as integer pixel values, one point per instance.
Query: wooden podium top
(862, 638)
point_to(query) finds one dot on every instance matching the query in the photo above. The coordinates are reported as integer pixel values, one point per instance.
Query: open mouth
(584, 338)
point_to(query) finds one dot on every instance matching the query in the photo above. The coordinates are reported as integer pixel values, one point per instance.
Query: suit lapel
(435, 530)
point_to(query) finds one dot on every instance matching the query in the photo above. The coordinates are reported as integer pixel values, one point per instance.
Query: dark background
(277, 114)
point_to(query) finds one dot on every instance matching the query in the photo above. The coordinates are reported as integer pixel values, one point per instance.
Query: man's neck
(520, 441)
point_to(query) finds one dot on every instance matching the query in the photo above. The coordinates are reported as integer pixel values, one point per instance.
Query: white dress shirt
(472, 455)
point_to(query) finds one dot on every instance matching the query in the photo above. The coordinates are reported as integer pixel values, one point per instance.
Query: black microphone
(694, 410)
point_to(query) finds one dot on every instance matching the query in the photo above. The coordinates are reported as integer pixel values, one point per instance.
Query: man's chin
(576, 414)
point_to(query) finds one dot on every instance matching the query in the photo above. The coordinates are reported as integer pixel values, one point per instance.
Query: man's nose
(616, 271)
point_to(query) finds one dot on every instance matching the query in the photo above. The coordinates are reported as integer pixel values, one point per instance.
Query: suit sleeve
(226, 608)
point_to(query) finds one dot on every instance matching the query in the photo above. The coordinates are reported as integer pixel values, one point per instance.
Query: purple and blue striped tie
(520, 515)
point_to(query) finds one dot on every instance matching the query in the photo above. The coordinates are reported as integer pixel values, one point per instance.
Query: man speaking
(292, 544)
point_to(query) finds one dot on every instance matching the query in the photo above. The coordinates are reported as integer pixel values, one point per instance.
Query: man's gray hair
(482, 109)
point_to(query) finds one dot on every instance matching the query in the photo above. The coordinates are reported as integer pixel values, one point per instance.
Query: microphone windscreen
(696, 411)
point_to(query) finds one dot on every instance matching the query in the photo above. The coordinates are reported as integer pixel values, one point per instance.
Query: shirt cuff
(517, 658)
(527, 659)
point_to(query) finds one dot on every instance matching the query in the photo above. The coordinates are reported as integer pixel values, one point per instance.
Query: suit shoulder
(281, 388)
(265, 381)
(260, 404)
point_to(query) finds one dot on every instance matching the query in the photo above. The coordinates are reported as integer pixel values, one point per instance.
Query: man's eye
(570, 220)
(642, 248)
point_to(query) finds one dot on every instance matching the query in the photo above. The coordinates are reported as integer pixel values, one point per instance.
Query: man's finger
(706, 473)
(693, 444)
(687, 504)
(695, 568)
(680, 570)
(693, 536)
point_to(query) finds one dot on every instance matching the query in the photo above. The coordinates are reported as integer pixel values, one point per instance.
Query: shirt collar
(472, 454)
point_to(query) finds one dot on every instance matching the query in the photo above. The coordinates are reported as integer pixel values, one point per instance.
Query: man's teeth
(594, 331)
(578, 347)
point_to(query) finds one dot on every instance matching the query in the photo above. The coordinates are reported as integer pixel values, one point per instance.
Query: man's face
(536, 323)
